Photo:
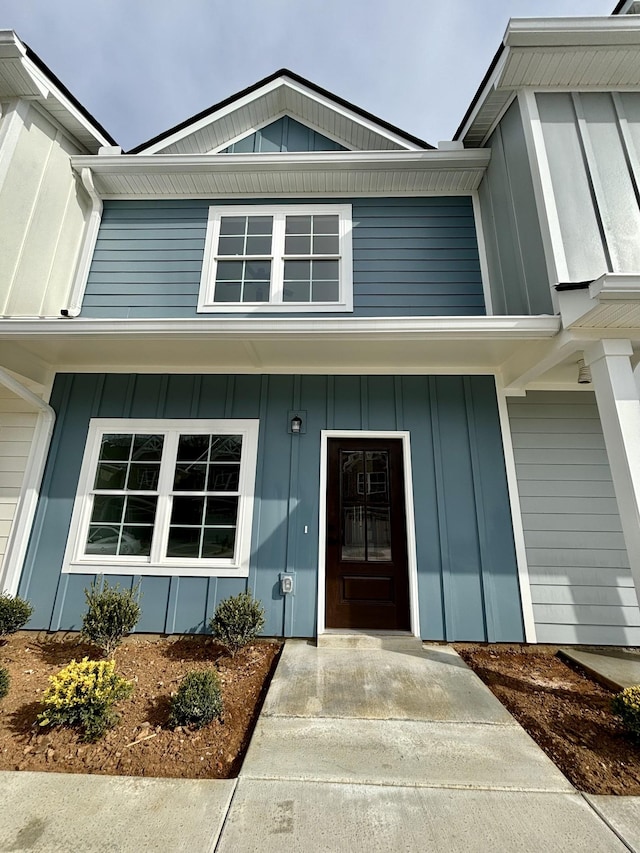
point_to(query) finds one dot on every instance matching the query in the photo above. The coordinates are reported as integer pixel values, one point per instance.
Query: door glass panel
(366, 510)
(378, 477)
(378, 534)
(353, 534)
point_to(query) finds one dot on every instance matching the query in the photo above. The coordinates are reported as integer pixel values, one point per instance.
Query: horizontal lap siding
(467, 575)
(411, 257)
(581, 585)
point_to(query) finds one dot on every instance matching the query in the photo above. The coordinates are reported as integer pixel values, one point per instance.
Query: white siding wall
(17, 423)
(581, 585)
(42, 216)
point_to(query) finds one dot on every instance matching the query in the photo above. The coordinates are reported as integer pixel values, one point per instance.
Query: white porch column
(619, 407)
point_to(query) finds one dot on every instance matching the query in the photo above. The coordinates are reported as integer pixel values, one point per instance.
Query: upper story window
(278, 258)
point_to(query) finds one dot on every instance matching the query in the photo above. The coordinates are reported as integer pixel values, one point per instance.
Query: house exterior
(301, 352)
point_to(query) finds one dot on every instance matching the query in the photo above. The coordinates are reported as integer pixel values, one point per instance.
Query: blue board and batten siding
(411, 257)
(285, 134)
(468, 587)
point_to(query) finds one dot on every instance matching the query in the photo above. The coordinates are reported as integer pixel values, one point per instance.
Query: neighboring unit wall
(592, 142)
(17, 423)
(515, 253)
(411, 257)
(467, 575)
(42, 215)
(581, 585)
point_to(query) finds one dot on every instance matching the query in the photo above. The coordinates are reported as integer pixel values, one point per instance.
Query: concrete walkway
(394, 749)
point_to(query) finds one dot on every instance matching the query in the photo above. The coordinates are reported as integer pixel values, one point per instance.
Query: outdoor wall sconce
(297, 423)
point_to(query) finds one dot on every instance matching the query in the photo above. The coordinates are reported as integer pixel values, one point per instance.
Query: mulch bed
(565, 712)
(141, 744)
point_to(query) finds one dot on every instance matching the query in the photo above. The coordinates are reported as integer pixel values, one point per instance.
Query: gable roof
(24, 75)
(281, 93)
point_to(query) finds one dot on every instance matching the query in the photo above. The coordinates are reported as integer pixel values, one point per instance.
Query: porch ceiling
(397, 345)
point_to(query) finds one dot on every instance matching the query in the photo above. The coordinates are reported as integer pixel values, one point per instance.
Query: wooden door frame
(412, 562)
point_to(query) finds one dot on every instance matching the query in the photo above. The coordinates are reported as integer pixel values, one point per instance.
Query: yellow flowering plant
(626, 705)
(84, 694)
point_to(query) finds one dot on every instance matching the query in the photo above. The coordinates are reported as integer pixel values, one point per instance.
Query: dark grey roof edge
(283, 72)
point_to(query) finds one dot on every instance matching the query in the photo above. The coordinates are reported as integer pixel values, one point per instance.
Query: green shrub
(112, 614)
(14, 613)
(237, 621)
(5, 681)
(198, 700)
(83, 695)
(626, 705)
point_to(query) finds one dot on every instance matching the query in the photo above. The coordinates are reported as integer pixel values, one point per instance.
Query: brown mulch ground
(141, 744)
(565, 712)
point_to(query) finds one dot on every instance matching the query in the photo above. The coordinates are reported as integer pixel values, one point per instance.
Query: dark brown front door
(367, 576)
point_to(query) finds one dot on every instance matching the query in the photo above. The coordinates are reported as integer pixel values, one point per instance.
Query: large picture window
(278, 258)
(165, 497)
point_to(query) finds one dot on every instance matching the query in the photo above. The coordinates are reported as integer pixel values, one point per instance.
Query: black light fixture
(296, 425)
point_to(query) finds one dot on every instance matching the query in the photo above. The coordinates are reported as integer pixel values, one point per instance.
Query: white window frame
(77, 562)
(278, 212)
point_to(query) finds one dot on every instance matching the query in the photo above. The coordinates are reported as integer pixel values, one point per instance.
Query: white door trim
(412, 561)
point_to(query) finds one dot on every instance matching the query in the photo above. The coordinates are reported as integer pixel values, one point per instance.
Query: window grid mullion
(165, 484)
(277, 248)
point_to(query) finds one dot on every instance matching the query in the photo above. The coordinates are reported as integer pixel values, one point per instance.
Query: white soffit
(615, 301)
(20, 77)
(345, 173)
(558, 53)
(282, 96)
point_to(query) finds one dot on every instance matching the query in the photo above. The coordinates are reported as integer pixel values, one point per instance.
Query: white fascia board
(616, 287)
(454, 328)
(572, 32)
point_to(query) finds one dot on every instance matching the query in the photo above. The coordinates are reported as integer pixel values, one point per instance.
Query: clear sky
(142, 66)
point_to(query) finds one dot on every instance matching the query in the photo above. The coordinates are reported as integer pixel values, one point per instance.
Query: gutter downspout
(88, 246)
(30, 491)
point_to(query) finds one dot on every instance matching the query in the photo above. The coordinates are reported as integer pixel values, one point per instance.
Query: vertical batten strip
(445, 565)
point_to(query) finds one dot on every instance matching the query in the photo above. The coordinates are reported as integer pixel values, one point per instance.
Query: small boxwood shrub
(83, 695)
(626, 705)
(237, 621)
(112, 614)
(5, 681)
(198, 700)
(14, 613)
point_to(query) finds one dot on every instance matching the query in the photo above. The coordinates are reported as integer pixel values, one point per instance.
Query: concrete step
(389, 640)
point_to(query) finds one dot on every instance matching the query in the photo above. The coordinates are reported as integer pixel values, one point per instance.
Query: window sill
(274, 308)
(157, 570)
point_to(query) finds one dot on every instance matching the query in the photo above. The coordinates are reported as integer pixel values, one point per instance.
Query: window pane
(229, 270)
(184, 542)
(136, 541)
(147, 448)
(115, 447)
(140, 510)
(187, 511)
(326, 224)
(325, 291)
(107, 508)
(378, 534)
(255, 291)
(378, 476)
(189, 477)
(260, 225)
(233, 224)
(298, 225)
(296, 291)
(231, 246)
(193, 448)
(111, 475)
(353, 528)
(226, 448)
(102, 540)
(325, 271)
(297, 245)
(257, 271)
(221, 511)
(219, 542)
(223, 478)
(325, 246)
(297, 270)
(258, 246)
(228, 291)
(143, 477)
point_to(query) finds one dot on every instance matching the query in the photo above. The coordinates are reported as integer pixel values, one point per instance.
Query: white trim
(31, 482)
(412, 559)
(516, 517)
(552, 239)
(76, 561)
(499, 116)
(482, 253)
(92, 227)
(276, 117)
(206, 303)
